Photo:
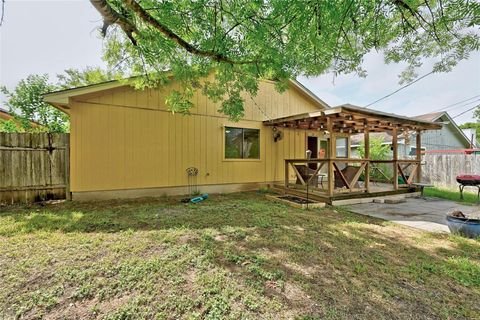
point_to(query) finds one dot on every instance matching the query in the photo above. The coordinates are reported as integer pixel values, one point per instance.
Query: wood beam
(395, 157)
(331, 155)
(366, 139)
(419, 155)
(342, 177)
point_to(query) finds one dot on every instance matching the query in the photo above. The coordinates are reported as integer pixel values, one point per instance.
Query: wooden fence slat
(33, 166)
(441, 170)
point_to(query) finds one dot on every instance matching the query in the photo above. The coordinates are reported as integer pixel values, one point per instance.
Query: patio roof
(348, 118)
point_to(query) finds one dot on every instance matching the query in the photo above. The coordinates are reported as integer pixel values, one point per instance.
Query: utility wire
(470, 109)
(399, 89)
(260, 109)
(465, 104)
(457, 103)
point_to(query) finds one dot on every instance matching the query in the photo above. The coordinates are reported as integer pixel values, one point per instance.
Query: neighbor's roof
(430, 116)
(357, 139)
(5, 115)
(435, 116)
(60, 98)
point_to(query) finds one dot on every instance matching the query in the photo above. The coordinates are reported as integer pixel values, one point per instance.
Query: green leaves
(179, 101)
(31, 113)
(378, 150)
(26, 102)
(240, 42)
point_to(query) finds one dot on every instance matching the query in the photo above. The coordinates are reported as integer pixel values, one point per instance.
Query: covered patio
(333, 174)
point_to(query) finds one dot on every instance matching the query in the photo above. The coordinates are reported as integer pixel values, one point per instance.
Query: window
(242, 143)
(413, 151)
(342, 147)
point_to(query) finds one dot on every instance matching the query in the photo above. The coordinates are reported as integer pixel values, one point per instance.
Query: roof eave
(61, 97)
(309, 93)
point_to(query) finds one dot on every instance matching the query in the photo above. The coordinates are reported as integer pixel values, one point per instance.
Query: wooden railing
(346, 174)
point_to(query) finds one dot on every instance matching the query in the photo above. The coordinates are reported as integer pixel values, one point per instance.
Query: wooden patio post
(331, 155)
(366, 139)
(419, 155)
(395, 157)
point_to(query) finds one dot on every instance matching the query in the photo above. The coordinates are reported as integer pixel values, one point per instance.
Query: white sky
(50, 36)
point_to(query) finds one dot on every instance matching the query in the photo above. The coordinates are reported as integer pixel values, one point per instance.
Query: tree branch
(146, 17)
(110, 16)
(3, 12)
(419, 18)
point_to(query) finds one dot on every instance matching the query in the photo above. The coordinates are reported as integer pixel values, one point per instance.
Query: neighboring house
(450, 137)
(125, 142)
(6, 116)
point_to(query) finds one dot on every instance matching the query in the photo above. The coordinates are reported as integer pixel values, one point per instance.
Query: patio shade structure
(348, 120)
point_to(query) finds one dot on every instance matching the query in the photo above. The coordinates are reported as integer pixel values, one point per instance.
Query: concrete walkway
(422, 213)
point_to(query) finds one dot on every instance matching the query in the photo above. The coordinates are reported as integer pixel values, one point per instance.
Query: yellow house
(125, 143)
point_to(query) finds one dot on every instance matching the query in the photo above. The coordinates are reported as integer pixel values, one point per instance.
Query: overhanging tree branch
(146, 17)
(110, 16)
(3, 13)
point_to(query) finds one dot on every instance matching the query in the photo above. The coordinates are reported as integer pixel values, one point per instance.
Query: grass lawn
(468, 195)
(233, 256)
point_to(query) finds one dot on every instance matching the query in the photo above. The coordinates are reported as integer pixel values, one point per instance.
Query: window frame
(413, 147)
(347, 143)
(224, 138)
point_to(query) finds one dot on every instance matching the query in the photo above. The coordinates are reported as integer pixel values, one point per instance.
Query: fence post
(68, 194)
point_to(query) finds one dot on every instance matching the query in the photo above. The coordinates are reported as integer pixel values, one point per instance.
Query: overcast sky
(50, 36)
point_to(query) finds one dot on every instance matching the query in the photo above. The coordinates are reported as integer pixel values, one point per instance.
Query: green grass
(454, 195)
(235, 256)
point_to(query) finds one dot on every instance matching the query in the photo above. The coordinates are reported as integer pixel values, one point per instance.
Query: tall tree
(476, 113)
(72, 78)
(242, 41)
(25, 101)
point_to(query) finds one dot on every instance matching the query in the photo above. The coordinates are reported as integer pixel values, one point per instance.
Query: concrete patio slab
(422, 213)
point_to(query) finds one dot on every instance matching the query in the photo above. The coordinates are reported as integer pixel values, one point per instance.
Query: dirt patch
(88, 309)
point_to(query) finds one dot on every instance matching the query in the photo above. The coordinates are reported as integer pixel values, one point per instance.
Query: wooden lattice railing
(347, 173)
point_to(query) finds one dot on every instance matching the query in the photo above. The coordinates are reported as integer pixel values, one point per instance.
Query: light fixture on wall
(277, 135)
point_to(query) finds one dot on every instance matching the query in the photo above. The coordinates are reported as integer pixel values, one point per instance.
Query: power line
(399, 89)
(478, 105)
(454, 104)
(466, 104)
(259, 109)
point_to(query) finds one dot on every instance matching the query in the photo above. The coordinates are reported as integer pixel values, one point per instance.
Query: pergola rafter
(348, 119)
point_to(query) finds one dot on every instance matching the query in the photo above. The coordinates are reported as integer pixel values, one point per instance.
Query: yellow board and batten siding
(127, 139)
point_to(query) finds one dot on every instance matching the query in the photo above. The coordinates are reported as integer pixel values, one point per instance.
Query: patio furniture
(322, 177)
(468, 180)
(308, 175)
(422, 186)
(346, 174)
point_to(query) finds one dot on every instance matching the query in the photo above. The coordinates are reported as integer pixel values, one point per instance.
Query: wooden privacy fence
(33, 166)
(442, 169)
